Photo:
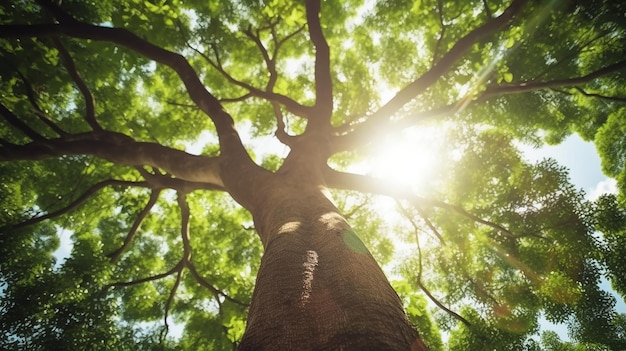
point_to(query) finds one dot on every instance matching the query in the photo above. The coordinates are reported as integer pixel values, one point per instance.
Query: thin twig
(154, 196)
(70, 66)
(442, 32)
(17, 123)
(78, 201)
(168, 305)
(151, 278)
(420, 284)
(425, 218)
(204, 283)
(618, 99)
(39, 112)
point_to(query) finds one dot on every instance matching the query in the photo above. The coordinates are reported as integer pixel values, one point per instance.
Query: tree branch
(425, 218)
(204, 283)
(270, 62)
(121, 149)
(350, 141)
(420, 284)
(440, 305)
(290, 104)
(177, 268)
(154, 196)
(349, 181)
(617, 99)
(168, 305)
(418, 86)
(442, 32)
(77, 202)
(90, 107)
(39, 112)
(323, 108)
(21, 126)
(184, 226)
(281, 132)
(502, 89)
(67, 25)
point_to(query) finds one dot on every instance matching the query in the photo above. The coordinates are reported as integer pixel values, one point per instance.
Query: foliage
(161, 260)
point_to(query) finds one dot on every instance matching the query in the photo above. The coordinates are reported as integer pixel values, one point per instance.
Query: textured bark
(318, 287)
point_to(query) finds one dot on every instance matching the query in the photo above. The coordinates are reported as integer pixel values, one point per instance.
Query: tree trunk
(318, 287)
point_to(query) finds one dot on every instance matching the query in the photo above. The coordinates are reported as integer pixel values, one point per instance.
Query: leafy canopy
(479, 250)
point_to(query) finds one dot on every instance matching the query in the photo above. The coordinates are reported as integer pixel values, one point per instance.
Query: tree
(101, 102)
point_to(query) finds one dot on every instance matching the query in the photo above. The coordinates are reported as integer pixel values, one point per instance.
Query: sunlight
(409, 160)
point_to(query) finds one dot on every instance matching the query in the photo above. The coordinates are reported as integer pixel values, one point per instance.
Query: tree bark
(318, 287)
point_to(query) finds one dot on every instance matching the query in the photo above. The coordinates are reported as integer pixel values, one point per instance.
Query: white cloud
(608, 185)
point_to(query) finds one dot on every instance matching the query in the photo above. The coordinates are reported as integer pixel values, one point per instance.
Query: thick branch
(121, 149)
(323, 82)
(77, 202)
(163, 181)
(348, 181)
(229, 138)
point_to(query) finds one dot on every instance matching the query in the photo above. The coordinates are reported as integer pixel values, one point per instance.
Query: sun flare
(408, 160)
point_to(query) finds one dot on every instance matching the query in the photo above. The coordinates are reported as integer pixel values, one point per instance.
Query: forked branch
(67, 25)
(204, 283)
(419, 86)
(290, 104)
